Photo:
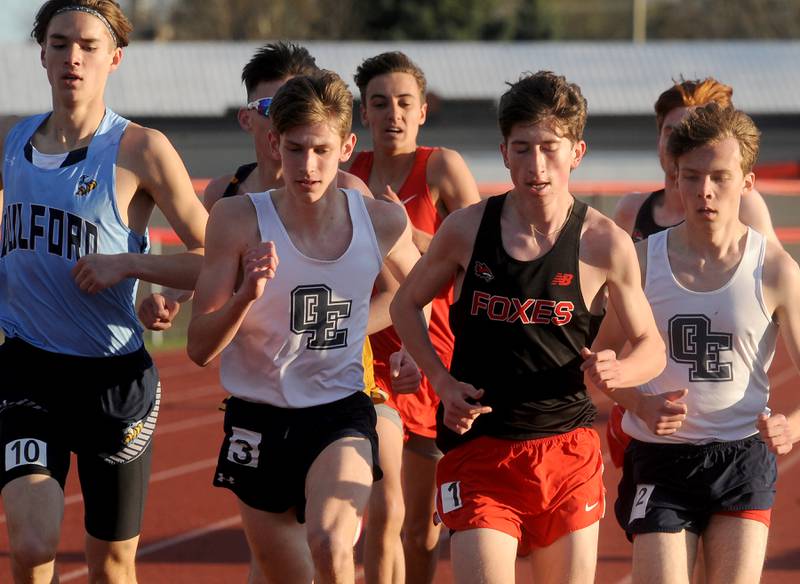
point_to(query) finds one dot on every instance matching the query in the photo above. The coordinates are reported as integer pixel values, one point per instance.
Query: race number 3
(314, 312)
(243, 447)
(26, 451)
(451, 496)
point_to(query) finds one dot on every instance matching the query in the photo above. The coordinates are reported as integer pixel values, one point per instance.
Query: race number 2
(640, 501)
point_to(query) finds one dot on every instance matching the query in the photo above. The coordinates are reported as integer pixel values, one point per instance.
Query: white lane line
(784, 463)
(779, 379)
(188, 424)
(171, 397)
(784, 376)
(177, 540)
(185, 368)
(181, 369)
(156, 477)
(166, 543)
(177, 471)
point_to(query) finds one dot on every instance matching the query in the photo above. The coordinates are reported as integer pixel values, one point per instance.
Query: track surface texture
(192, 533)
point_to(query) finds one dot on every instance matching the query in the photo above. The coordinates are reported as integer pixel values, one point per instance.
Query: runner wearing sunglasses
(266, 72)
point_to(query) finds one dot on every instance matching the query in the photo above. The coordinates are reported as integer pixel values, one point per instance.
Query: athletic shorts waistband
(685, 448)
(18, 348)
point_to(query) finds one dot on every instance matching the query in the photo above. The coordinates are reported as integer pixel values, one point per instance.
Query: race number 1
(26, 451)
(451, 496)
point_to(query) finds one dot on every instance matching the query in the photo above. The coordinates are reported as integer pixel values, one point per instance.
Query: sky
(17, 20)
(17, 16)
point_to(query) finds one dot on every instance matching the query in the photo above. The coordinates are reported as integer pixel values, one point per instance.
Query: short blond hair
(710, 125)
(320, 98)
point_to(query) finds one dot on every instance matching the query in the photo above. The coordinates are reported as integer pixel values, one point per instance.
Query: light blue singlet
(51, 218)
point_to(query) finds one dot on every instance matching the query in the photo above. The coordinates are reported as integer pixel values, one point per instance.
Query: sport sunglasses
(261, 106)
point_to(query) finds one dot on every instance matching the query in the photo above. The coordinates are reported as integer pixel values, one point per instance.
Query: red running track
(192, 533)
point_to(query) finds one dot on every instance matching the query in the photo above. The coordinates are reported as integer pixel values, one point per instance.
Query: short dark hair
(276, 61)
(391, 62)
(321, 97)
(692, 92)
(109, 9)
(712, 123)
(541, 96)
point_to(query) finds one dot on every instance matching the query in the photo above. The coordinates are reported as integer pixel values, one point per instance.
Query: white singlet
(719, 345)
(301, 342)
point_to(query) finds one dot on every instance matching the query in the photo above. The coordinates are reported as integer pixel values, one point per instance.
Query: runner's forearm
(175, 271)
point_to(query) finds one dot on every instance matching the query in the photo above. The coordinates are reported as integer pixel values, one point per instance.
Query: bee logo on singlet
(86, 185)
(132, 432)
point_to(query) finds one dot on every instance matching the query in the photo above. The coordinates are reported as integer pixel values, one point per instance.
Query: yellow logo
(86, 185)
(132, 432)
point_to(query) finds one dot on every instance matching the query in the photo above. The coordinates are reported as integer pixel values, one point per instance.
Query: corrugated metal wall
(202, 79)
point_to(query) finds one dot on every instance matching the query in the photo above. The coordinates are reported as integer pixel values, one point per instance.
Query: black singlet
(519, 328)
(645, 225)
(238, 178)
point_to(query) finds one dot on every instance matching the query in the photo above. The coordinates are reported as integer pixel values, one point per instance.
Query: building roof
(203, 78)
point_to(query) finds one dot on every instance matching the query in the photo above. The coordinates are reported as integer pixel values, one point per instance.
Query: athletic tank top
(645, 225)
(719, 345)
(416, 408)
(301, 342)
(239, 177)
(519, 327)
(51, 218)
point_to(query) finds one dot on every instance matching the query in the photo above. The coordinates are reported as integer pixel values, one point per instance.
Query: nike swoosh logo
(408, 199)
(588, 507)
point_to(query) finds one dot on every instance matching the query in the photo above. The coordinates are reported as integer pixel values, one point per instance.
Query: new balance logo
(562, 279)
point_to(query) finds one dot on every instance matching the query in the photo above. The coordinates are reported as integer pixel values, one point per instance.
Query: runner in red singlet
(430, 183)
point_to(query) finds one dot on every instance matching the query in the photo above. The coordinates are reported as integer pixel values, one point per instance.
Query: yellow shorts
(370, 387)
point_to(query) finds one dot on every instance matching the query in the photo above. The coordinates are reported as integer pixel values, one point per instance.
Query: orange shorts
(417, 410)
(534, 490)
(761, 515)
(616, 437)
